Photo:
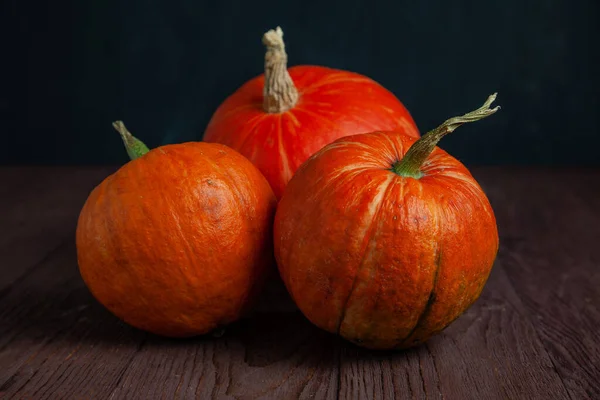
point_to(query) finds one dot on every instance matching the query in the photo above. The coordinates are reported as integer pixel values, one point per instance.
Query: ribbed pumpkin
(280, 118)
(384, 239)
(178, 241)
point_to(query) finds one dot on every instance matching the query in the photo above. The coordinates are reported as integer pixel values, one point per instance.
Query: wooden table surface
(533, 334)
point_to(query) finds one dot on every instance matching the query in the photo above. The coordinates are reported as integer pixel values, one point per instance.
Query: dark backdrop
(71, 67)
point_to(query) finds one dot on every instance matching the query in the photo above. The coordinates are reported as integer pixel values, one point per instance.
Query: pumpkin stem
(410, 164)
(135, 147)
(279, 93)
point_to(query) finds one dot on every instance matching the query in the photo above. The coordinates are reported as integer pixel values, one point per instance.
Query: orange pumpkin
(384, 239)
(281, 118)
(178, 241)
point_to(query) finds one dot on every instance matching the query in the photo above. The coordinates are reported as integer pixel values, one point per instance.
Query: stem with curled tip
(135, 147)
(279, 93)
(410, 164)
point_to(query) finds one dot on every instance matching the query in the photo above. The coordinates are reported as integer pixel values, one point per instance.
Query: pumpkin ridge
(368, 237)
(259, 119)
(340, 174)
(335, 79)
(475, 190)
(286, 172)
(350, 173)
(315, 114)
(430, 300)
(366, 122)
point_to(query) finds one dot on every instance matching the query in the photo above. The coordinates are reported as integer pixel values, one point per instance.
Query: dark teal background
(71, 67)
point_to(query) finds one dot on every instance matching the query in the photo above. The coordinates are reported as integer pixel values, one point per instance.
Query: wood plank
(551, 224)
(57, 342)
(39, 207)
(275, 356)
(275, 353)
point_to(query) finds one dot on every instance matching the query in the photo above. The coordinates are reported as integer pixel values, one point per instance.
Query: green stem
(410, 164)
(135, 147)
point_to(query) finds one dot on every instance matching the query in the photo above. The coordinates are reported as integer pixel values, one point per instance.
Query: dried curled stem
(279, 92)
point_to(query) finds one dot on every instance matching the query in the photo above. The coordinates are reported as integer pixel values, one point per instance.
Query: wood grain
(278, 357)
(552, 228)
(533, 334)
(57, 342)
(53, 334)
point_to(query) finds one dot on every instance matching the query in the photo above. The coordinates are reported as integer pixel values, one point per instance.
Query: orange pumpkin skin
(332, 103)
(384, 261)
(179, 241)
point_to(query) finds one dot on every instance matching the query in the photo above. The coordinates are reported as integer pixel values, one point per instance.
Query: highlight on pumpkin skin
(135, 147)
(410, 164)
(279, 93)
